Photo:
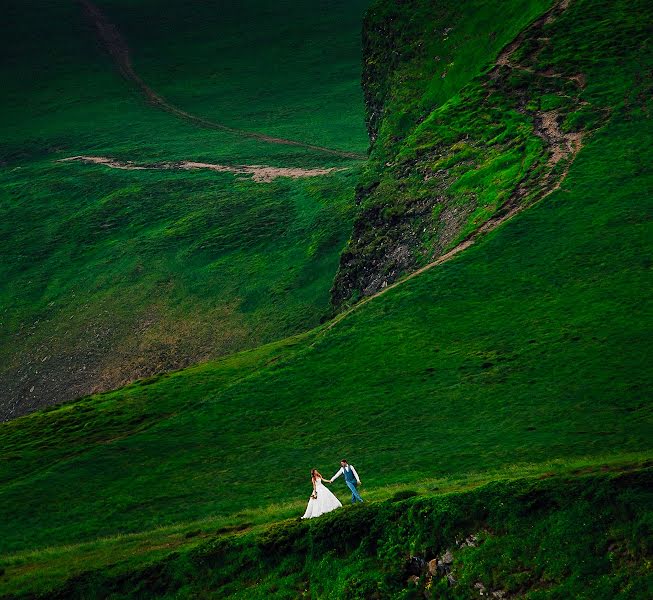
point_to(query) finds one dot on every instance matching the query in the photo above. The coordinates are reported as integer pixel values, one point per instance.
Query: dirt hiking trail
(563, 148)
(259, 173)
(117, 48)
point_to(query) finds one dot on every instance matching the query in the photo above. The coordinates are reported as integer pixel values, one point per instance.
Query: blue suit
(350, 480)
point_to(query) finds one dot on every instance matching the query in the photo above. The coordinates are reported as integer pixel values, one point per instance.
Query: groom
(351, 479)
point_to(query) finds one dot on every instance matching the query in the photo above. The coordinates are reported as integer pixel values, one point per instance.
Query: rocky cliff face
(472, 116)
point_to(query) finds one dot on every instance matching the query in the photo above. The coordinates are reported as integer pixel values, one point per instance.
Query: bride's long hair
(315, 474)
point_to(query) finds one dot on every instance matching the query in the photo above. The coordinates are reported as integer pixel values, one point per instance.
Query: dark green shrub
(403, 495)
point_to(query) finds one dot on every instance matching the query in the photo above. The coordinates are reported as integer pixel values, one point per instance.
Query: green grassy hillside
(530, 346)
(487, 385)
(528, 349)
(109, 275)
(465, 134)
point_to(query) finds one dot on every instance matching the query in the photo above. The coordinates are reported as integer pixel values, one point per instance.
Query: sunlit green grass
(524, 357)
(48, 567)
(593, 515)
(528, 348)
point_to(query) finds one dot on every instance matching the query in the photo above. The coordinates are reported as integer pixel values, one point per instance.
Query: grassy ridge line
(570, 535)
(511, 208)
(125, 552)
(559, 145)
(432, 66)
(119, 51)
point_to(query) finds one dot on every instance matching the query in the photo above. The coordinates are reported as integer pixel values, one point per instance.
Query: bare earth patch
(561, 144)
(259, 173)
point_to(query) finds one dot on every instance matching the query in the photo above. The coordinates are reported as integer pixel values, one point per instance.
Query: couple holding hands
(322, 500)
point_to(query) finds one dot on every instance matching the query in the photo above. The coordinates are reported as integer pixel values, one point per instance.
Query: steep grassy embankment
(526, 355)
(111, 275)
(578, 536)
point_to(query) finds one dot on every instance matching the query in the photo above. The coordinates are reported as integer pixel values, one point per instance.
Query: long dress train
(324, 503)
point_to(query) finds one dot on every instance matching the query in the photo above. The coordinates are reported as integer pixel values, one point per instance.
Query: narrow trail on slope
(561, 145)
(259, 173)
(488, 226)
(119, 51)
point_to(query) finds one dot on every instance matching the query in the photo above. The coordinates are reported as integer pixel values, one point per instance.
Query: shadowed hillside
(112, 274)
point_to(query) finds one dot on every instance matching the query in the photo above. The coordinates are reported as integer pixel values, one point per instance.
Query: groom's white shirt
(343, 469)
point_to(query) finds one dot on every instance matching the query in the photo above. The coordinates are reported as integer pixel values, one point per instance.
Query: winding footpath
(117, 48)
(561, 146)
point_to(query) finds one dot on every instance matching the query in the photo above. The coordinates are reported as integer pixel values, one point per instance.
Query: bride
(321, 500)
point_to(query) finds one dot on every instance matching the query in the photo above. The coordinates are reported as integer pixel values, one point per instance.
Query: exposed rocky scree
(64, 364)
(424, 573)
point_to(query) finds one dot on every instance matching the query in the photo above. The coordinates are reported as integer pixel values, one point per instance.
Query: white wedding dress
(324, 503)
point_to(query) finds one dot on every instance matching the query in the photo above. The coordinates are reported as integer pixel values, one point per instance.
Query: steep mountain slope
(525, 355)
(110, 275)
(528, 347)
(450, 160)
